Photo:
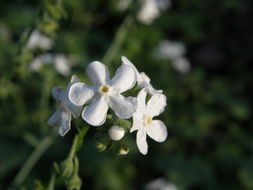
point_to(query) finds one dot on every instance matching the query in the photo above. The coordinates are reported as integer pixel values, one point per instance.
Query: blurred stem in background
(118, 40)
(32, 160)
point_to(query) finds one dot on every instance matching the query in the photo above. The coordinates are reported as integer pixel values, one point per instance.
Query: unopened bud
(116, 133)
(101, 146)
(123, 151)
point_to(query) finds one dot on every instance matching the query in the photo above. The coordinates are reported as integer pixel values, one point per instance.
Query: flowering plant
(106, 93)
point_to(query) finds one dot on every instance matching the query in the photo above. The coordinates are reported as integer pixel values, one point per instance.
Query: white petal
(73, 109)
(122, 106)
(156, 104)
(141, 141)
(98, 73)
(74, 79)
(124, 78)
(39, 40)
(58, 93)
(129, 63)
(153, 91)
(65, 123)
(181, 64)
(148, 12)
(79, 94)
(137, 122)
(95, 113)
(141, 101)
(157, 131)
(55, 119)
(62, 64)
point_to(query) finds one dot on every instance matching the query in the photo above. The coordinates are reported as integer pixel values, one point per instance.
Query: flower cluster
(93, 102)
(38, 41)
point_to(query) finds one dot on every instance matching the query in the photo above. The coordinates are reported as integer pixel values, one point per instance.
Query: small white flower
(105, 93)
(170, 50)
(181, 64)
(60, 62)
(124, 4)
(116, 133)
(40, 60)
(161, 184)
(62, 117)
(143, 120)
(150, 10)
(39, 40)
(175, 51)
(142, 79)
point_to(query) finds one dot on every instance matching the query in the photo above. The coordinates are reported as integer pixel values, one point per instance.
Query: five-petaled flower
(62, 117)
(142, 79)
(105, 93)
(143, 120)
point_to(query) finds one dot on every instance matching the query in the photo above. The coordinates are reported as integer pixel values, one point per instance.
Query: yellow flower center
(104, 89)
(148, 120)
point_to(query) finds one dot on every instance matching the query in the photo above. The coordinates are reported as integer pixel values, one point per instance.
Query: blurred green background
(208, 116)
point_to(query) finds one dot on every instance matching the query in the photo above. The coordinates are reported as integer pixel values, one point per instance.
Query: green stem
(52, 182)
(77, 142)
(118, 40)
(32, 160)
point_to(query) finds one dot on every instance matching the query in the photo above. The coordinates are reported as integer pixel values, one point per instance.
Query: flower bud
(123, 151)
(101, 146)
(116, 133)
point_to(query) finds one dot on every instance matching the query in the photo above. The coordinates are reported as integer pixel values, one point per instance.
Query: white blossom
(61, 63)
(143, 120)
(104, 93)
(116, 133)
(168, 49)
(181, 64)
(161, 184)
(175, 51)
(62, 117)
(39, 40)
(143, 80)
(150, 10)
(124, 4)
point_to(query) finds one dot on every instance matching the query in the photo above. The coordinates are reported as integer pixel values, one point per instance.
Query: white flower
(143, 120)
(40, 60)
(105, 93)
(60, 62)
(181, 64)
(124, 4)
(142, 79)
(62, 117)
(150, 10)
(116, 133)
(170, 50)
(39, 40)
(175, 51)
(161, 184)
